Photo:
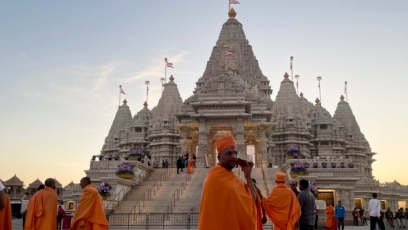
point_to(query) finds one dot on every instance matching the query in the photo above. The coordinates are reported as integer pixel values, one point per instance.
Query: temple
(232, 96)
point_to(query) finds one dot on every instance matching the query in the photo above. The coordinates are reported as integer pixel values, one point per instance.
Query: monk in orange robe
(42, 208)
(190, 166)
(282, 206)
(89, 214)
(2, 197)
(330, 219)
(227, 202)
(5, 215)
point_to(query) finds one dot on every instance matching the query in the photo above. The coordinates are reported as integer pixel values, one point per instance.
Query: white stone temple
(233, 97)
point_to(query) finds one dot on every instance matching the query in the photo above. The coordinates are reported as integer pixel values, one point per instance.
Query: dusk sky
(62, 63)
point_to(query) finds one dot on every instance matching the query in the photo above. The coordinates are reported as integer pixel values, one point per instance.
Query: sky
(61, 64)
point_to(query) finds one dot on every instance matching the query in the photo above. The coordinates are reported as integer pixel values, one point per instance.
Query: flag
(233, 2)
(121, 90)
(168, 64)
(229, 53)
(291, 60)
(345, 87)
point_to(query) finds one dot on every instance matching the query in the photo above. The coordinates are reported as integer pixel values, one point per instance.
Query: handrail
(147, 195)
(178, 193)
(115, 199)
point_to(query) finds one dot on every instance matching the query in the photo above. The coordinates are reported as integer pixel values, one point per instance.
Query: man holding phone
(225, 194)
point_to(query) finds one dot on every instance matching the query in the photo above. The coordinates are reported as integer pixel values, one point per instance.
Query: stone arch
(216, 132)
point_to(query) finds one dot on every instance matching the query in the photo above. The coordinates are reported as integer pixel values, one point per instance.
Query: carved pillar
(261, 158)
(240, 137)
(203, 150)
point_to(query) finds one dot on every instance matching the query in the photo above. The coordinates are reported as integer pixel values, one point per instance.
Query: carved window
(323, 126)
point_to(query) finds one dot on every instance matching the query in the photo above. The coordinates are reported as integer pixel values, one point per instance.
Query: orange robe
(330, 222)
(226, 202)
(259, 209)
(259, 225)
(5, 216)
(42, 210)
(190, 166)
(89, 214)
(282, 207)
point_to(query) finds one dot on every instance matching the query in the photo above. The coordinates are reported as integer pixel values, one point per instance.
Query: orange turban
(225, 142)
(280, 177)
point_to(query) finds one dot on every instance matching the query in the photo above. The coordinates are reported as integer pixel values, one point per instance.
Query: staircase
(165, 191)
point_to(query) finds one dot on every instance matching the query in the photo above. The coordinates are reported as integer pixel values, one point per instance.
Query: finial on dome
(286, 75)
(232, 13)
(145, 104)
(317, 100)
(342, 97)
(301, 94)
(125, 101)
(171, 78)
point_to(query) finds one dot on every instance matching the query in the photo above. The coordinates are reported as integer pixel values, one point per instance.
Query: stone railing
(322, 163)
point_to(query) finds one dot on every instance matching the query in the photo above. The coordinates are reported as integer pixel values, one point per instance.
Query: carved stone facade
(234, 97)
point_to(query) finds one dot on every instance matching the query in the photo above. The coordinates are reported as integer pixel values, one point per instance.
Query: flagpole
(147, 90)
(162, 82)
(165, 70)
(291, 67)
(319, 78)
(119, 96)
(297, 83)
(345, 90)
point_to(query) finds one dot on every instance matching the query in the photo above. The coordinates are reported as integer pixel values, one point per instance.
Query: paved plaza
(18, 225)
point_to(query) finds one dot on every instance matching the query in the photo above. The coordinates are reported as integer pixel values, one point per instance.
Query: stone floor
(18, 225)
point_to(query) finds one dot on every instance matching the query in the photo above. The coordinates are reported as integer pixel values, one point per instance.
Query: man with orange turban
(282, 206)
(89, 213)
(42, 208)
(227, 202)
(5, 214)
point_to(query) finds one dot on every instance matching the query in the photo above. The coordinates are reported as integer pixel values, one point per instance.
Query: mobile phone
(242, 162)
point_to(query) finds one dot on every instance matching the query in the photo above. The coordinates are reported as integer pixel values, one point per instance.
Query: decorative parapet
(335, 168)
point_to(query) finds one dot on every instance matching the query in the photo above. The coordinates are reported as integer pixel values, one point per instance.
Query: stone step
(166, 191)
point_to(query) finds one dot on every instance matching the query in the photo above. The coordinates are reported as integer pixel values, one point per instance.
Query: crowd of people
(44, 213)
(185, 161)
(241, 205)
(225, 197)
